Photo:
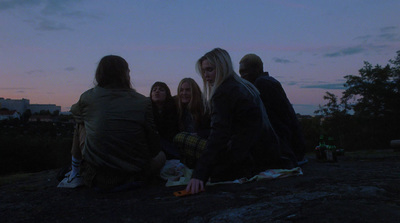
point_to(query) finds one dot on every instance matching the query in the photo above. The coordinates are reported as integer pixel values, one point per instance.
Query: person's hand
(195, 186)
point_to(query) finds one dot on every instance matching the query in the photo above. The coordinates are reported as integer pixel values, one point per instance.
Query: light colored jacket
(120, 131)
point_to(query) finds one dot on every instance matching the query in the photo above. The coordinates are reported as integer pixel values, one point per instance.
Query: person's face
(158, 94)
(185, 94)
(209, 72)
(248, 73)
(128, 77)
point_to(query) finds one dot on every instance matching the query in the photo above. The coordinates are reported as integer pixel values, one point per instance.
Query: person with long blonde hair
(193, 122)
(242, 142)
(190, 106)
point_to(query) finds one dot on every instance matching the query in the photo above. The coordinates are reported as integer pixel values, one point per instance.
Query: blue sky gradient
(49, 50)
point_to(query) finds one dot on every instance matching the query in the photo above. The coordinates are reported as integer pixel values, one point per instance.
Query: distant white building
(11, 104)
(41, 118)
(23, 104)
(65, 113)
(4, 115)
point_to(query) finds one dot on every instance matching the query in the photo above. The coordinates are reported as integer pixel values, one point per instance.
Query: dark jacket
(201, 127)
(281, 114)
(166, 120)
(241, 141)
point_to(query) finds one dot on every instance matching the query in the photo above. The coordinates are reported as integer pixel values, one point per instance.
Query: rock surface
(361, 187)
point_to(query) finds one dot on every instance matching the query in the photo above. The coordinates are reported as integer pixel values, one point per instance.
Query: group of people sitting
(236, 127)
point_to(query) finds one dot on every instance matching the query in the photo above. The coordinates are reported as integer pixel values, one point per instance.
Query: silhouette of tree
(371, 90)
(333, 107)
(374, 97)
(376, 90)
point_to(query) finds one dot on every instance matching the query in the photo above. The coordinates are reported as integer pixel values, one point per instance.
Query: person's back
(281, 114)
(279, 109)
(115, 137)
(114, 121)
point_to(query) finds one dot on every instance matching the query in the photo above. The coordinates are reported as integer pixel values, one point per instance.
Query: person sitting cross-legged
(120, 144)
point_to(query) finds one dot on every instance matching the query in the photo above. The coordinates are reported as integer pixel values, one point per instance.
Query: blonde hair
(220, 59)
(195, 106)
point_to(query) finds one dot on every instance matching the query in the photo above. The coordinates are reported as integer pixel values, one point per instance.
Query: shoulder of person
(136, 95)
(89, 91)
(227, 86)
(266, 82)
(230, 90)
(263, 79)
(87, 95)
(84, 99)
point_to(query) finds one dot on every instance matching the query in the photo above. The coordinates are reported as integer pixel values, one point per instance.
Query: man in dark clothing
(279, 109)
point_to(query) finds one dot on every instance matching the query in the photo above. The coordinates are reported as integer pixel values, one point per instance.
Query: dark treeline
(34, 146)
(366, 116)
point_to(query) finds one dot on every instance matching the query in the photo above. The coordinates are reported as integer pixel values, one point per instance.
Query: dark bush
(34, 146)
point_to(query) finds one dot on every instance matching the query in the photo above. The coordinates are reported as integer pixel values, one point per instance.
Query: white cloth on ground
(177, 173)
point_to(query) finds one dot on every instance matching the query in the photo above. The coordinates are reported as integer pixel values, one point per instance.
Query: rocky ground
(361, 187)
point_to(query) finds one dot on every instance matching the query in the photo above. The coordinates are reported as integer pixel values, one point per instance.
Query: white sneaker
(74, 182)
(67, 174)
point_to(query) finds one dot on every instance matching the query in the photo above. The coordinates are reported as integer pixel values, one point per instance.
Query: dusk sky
(49, 49)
